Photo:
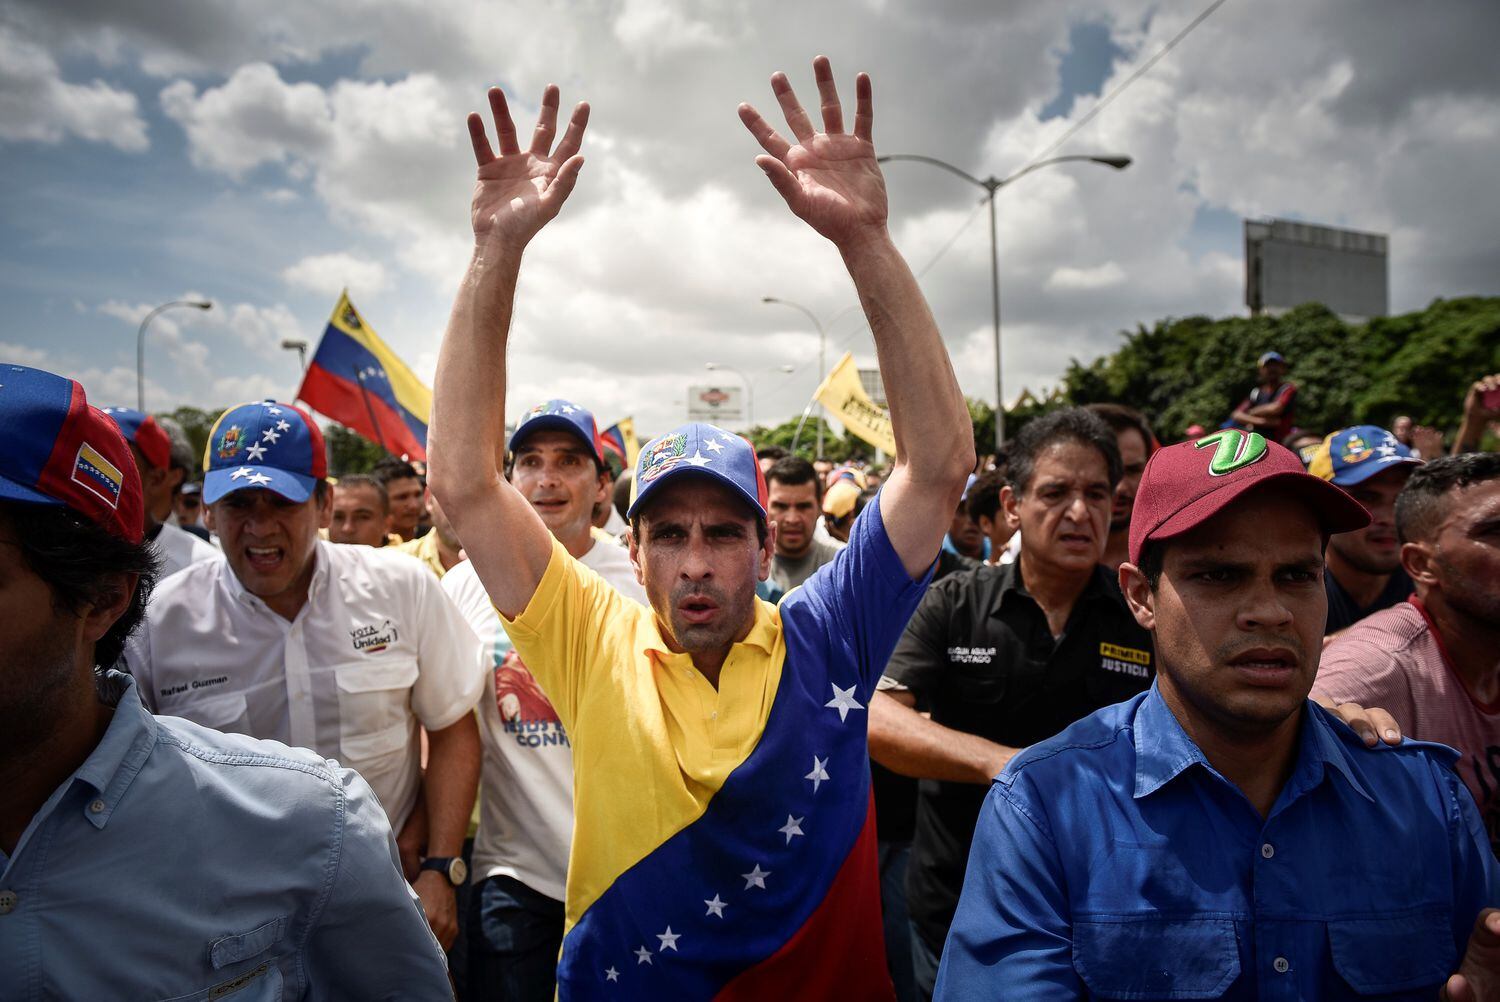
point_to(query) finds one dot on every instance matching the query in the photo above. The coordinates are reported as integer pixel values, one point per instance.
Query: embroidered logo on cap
(97, 475)
(1233, 450)
(664, 455)
(230, 442)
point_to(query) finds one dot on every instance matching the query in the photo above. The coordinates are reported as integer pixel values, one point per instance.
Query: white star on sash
(255, 452)
(715, 906)
(642, 956)
(819, 772)
(756, 878)
(843, 701)
(611, 975)
(792, 827)
(669, 939)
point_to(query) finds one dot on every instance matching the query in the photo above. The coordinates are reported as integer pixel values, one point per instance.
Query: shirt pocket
(260, 983)
(1394, 956)
(374, 713)
(244, 971)
(223, 712)
(1156, 958)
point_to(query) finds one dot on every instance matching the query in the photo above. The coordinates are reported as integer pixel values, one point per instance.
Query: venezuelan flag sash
(358, 381)
(773, 892)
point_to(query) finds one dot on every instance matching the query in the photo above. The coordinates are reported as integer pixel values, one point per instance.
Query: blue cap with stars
(704, 450)
(265, 444)
(1353, 455)
(560, 415)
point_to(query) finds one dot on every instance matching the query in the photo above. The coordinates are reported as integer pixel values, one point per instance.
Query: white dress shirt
(179, 548)
(377, 649)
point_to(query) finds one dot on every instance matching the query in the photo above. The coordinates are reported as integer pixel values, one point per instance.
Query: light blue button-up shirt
(1112, 861)
(181, 863)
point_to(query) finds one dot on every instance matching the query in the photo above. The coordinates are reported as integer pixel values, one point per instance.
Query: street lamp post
(140, 345)
(749, 386)
(822, 349)
(991, 185)
(299, 346)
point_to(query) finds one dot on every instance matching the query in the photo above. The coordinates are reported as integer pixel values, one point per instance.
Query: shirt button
(1282, 965)
(7, 902)
(97, 807)
(1267, 850)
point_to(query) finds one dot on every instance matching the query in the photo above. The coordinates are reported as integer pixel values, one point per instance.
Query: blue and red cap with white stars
(57, 450)
(1353, 455)
(702, 450)
(264, 444)
(560, 415)
(145, 434)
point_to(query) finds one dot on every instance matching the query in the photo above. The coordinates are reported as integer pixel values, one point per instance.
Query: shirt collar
(1164, 751)
(120, 754)
(762, 635)
(1098, 588)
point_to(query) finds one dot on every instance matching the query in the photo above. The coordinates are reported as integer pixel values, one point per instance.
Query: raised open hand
(829, 179)
(519, 192)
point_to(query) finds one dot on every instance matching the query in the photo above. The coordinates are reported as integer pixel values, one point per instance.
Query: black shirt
(979, 653)
(895, 794)
(1344, 612)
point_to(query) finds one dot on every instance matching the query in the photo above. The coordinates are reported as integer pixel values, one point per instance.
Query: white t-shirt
(179, 548)
(376, 649)
(526, 784)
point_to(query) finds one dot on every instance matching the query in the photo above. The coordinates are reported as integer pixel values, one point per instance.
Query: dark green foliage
(350, 452)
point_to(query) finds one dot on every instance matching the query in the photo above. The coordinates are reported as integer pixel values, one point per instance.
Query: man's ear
(1138, 595)
(115, 592)
(768, 551)
(325, 508)
(633, 544)
(1010, 507)
(208, 518)
(1417, 560)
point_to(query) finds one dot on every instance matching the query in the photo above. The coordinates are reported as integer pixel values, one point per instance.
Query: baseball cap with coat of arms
(1189, 483)
(55, 449)
(265, 444)
(702, 450)
(1353, 455)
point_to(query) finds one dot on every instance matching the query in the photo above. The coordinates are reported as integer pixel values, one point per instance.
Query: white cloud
(23, 354)
(253, 119)
(1103, 276)
(651, 28)
(37, 105)
(330, 273)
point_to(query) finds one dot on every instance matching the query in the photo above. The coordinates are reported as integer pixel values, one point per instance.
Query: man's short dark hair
(365, 480)
(771, 452)
(984, 496)
(794, 471)
(1070, 424)
(1121, 418)
(1153, 556)
(622, 493)
(863, 501)
(76, 559)
(393, 468)
(1424, 503)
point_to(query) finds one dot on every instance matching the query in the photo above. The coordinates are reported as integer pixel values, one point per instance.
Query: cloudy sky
(264, 155)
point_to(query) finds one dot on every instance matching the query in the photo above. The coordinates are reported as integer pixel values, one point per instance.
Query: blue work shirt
(181, 863)
(1112, 861)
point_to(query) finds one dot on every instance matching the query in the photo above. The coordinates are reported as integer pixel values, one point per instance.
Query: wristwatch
(452, 867)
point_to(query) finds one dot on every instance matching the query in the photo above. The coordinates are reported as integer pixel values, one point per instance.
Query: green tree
(350, 452)
(196, 423)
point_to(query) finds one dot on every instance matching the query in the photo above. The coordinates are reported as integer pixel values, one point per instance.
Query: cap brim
(12, 491)
(551, 422)
(1364, 471)
(295, 487)
(677, 474)
(1337, 511)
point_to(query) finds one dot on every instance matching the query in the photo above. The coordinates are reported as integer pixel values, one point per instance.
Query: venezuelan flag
(358, 381)
(620, 439)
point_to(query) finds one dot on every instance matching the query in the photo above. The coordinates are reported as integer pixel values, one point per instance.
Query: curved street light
(140, 345)
(822, 349)
(991, 185)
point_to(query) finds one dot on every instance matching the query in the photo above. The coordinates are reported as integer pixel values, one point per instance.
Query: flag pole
(359, 377)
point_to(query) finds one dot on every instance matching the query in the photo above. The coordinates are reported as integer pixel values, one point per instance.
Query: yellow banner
(842, 393)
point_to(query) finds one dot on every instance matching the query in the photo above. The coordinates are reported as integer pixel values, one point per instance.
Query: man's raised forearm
(934, 436)
(466, 438)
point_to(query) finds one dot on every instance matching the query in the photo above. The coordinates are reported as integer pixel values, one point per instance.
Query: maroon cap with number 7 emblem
(1189, 483)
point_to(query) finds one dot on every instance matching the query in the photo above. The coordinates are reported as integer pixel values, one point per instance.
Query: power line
(1116, 91)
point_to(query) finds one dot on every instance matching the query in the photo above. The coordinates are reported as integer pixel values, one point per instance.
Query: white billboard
(716, 404)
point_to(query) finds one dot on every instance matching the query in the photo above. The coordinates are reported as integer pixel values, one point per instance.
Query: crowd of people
(1099, 717)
